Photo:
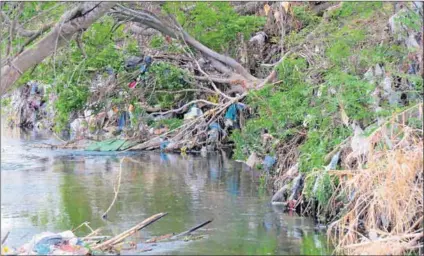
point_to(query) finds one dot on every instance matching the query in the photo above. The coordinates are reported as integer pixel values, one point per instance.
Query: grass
(385, 214)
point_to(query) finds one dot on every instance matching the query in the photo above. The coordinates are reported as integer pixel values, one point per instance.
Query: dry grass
(385, 212)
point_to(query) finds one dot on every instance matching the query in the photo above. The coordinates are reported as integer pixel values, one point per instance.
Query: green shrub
(171, 123)
(215, 24)
(165, 76)
(157, 41)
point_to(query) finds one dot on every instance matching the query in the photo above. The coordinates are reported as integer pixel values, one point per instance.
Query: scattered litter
(203, 151)
(110, 71)
(193, 113)
(231, 116)
(110, 145)
(252, 160)
(268, 162)
(132, 85)
(34, 88)
(48, 243)
(214, 133)
(66, 243)
(164, 144)
(132, 62)
(144, 67)
(123, 120)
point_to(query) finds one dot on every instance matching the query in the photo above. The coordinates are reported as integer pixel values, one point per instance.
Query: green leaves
(165, 76)
(215, 24)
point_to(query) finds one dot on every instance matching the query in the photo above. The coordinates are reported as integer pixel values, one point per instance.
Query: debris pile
(66, 243)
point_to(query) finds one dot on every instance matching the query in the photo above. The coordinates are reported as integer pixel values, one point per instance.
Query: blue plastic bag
(123, 119)
(43, 246)
(231, 113)
(34, 88)
(110, 71)
(268, 162)
(163, 145)
(214, 126)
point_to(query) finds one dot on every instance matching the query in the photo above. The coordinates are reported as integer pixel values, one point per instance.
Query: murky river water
(45, 190)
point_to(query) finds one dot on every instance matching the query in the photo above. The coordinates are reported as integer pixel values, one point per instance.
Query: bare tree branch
(184, 107)
(35, 36)
(12, 28)
(72, 22)
(150, 20)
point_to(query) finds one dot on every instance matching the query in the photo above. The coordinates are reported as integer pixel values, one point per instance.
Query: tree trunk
(78, 19)
(148, 19)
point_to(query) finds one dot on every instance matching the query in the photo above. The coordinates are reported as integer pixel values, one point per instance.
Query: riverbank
(376, 200)
(326, 113)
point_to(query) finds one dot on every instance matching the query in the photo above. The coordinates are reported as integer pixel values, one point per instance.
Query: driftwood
(116, 190)
(95, 232)
(5, 237)
(169, 237)
(121, 237)
(193, 229)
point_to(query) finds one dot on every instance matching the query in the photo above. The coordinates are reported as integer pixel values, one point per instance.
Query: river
(56, 190)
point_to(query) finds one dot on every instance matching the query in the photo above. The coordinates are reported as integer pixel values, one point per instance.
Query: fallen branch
(83, 224)
(150, 20)
(203, 72)
(115, 190)
(193, 229)
(184, 107)
(119, 238)
(169, 237)
(5, 237)
(95, 232)
(273, 73)
(392, 238)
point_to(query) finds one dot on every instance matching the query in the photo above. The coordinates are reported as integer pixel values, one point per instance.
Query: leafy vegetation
(341, 95)
(215, 24)
(171, 123)
(70, 72)
(166, 78)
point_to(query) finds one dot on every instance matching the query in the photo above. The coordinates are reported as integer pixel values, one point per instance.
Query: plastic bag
(268, 162)
(193, 113)
(164, 144)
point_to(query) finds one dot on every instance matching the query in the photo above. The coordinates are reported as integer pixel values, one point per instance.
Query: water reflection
(74, 187)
